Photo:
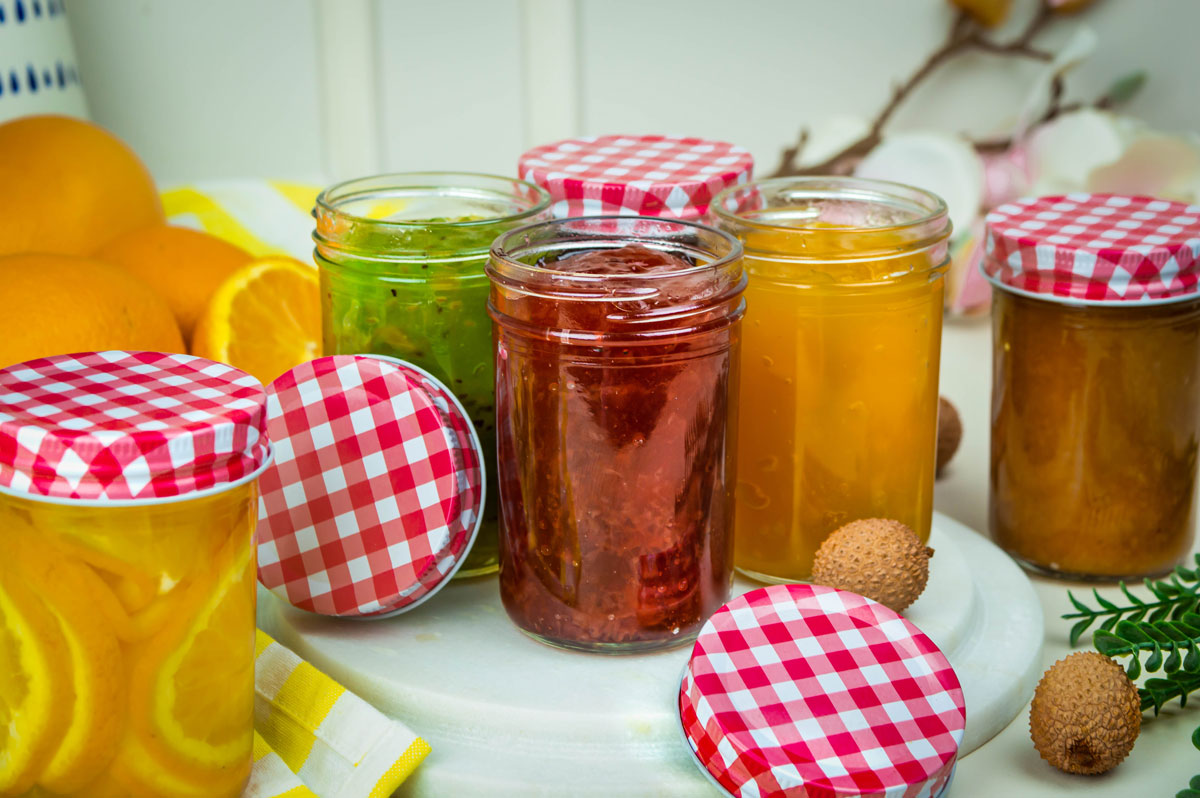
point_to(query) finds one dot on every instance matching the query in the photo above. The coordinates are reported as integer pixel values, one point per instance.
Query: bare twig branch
(964, 35)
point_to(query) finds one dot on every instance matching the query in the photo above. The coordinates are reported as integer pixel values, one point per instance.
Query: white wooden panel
(204, 89)
(349, 84)
(450, 84)
(550, 63)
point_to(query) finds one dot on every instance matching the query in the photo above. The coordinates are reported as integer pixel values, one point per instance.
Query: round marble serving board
(507, 716)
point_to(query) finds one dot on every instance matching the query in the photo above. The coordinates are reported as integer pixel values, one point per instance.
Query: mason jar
(128, 504)
(401, 260)
(840, 361)
(1095, 383)
(617, 387)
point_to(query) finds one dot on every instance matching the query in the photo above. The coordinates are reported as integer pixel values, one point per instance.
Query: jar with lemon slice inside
(402, 262)
(128, 504)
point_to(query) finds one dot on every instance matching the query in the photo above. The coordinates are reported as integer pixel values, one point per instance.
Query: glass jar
(616, 381)
(840, 367)
(127, 583)
(402, 260)
(1095, 384)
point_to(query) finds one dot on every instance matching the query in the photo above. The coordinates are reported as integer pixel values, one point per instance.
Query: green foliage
(1160, 635)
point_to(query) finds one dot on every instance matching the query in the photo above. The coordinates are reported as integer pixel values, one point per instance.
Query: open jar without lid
(402, 259)
(1095, 383)
(616, 382)
(840, 361)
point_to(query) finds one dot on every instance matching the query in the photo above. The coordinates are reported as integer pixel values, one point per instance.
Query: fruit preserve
(402, 274)
(127, 581)
(1095, 383)
(616, 382)
(840, 362)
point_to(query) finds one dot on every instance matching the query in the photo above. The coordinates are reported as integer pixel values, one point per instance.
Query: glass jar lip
(1081, 302)
(328, 202)
(934, 208)
(500, 252)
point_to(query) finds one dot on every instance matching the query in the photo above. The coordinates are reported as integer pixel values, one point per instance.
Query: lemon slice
(264, 319)
(34, 683)
(192, 699)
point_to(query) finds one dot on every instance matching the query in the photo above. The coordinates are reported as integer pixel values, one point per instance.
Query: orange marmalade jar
(840, 361)
(1095, 383)
(128, 504)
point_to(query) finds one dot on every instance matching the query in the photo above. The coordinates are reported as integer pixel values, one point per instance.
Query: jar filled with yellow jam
(840, 353)
(128, 504)
(1095, 383)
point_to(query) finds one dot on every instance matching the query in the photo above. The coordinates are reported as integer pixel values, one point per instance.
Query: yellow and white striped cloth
(262, 217)
(315, 739)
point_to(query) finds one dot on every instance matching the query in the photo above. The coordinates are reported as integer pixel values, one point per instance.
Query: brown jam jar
(1096, 383)
(617, 342)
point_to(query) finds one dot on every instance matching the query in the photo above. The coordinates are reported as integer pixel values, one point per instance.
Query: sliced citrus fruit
(192, 700)
(264, 319)
(138, 774)
(35, 687)
(97, 714)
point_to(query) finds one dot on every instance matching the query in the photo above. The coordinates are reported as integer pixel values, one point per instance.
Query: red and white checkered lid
(804, 691)
(672, 176)
(128, 426)
(1096, 248)
(377, 488)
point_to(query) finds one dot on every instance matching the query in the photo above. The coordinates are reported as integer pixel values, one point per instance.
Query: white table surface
(1163, 759)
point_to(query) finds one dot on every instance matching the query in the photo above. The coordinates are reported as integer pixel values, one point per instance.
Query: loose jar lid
(1096, 247)
(377, 488)
(800, 690)
(121, 426)
(672, 176)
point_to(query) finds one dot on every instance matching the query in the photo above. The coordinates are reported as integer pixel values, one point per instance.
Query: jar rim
(926, 225)
(823, 186)
(1079, 302)
(149, 501)
(328, 200)
(502, 252)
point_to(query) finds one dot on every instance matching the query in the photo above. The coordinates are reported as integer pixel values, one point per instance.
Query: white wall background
(322, 89)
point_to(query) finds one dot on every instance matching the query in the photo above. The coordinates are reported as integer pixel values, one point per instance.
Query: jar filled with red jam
(617, 342)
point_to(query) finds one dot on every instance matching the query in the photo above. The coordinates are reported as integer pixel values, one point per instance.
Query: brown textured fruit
(878, 558)
(1085, 715)
(949, 434)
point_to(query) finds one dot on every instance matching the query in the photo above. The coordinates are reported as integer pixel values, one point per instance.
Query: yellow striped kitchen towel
(315, 738)
(263, 217)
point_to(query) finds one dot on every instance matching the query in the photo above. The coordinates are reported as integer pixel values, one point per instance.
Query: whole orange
(58, 304)
(68, 186)
(185, 266)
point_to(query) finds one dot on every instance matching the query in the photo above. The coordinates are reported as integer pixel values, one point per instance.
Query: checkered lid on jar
(128, 426)
(798, 691)
(377, 488)
(672, 176)
(1100, 248)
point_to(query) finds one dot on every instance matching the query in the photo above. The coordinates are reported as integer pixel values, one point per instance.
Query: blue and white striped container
(38, 74)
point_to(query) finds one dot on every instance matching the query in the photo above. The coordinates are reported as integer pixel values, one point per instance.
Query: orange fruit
(987, 12)
(264, 319)
(35, 683)
(93, 654)
(185, 266)
(192, 685)
(69, 186)
(58, 304)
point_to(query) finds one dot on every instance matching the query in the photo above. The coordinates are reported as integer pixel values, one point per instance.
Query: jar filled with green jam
(402, 262)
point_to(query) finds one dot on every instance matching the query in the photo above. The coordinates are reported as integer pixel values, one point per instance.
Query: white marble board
(507, 716)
